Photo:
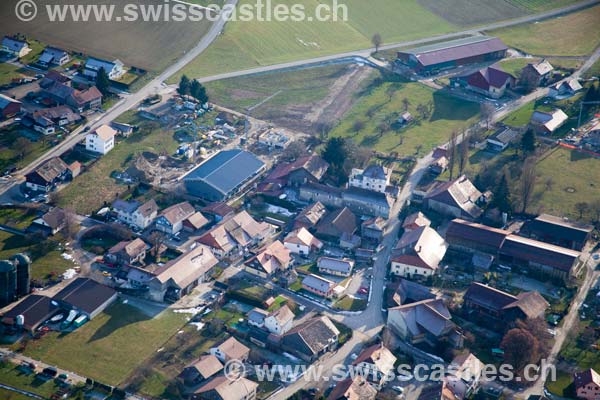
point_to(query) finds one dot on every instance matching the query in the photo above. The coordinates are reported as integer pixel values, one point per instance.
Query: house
(75, 169)
(536, 74)
(310, 216)
(349, 242)
(201, 370)
(318, 285)
(374, 177)
(235, 234)
(547, 122)
(415, 221)
(305, 169)
(218, 210)
(34, 310)
(135, 213)
(432, 58)
(418, 253)
(114, 69)
(411, 292)
(123, 129)
(335, 266)
(498, 308)
(405, 118)
(471, 237)
(427, 321)
(336, 223)
(376, 364)
(51, 77)
(87, 99)
(464, 377)
(223, 175)
(15, 47)
(48, 120)
(490, 81)
(501, 139)
(86, 296)
(273, 258)
(48, 175)
(458, 198)
(195, 222)
(356, 388)
(372, 228)
(587, 384)
(171, 219)
(558, 231)
(280, 321)
(128, 252)
(53, 56)
(301, 241)
(102, 140)
(550, 260)
(51, 222)
(9, 106)
(257, 316)
(223, 388)
(229, 350)
(311, 339)
(565, 88)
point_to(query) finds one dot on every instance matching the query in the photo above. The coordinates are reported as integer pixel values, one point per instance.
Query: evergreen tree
(198, 91)
(502, 196)
(102, 82)
(528, 141)
(184, 86)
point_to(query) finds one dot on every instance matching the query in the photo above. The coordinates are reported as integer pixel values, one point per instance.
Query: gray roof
(341, 265)
(126, 206)
(226, 170)
(52, 54)
(318, 283)
(5, 100)
(375, 172)
(85, 294)
(96, 63)
(456, 49)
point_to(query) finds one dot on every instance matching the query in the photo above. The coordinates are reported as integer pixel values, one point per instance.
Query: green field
(19, 218)
(383, 103)
(8, 72)
(574, 178)
(594, 70)
(109, 347)
(16, 150)
(542, 5)
(89, 191)
(575, 34)
(11, 376)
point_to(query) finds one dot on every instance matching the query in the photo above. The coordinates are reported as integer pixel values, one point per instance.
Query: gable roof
(148, 208)
(551, 120)
(14, 44)
(188, 267)
(206, 366)
(475, 233)
(356, 388)
(34, 308)
(55, 218)
(337, 222)
(237, 230)
(492, 76)
(51, 169)
(218, 208)
(429, 315)
(85, 294)
(178, 212)
(312, 336)
(379, 356)
(303, 237)
(130, 247)
(409, 290)
(271, 258)
(229, 389)
(105, 132)
(422, 247)
(560, 228)
(456, 49)
(283, 315)
(318, 283)
(310, 215)
(416, 220)
(532, 304)
(343, 265)
(460, 193)
(586, 377)
(539, 252)
(313, 164)
(233, 349)
(541, 68)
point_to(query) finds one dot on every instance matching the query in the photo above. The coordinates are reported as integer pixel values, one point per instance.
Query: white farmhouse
(280, 321)
(418, 253)
(102, 140)
(375, 178)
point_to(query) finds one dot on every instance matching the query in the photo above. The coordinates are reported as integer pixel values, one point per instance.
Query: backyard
(19, 146)
(372, 120)
(111, 346)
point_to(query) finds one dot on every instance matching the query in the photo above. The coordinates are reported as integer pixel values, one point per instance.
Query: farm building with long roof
(453, 53)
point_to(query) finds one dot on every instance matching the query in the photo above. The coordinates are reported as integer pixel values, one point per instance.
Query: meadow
(550, 38)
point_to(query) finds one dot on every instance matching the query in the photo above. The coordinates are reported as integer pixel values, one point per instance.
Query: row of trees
(192, 88)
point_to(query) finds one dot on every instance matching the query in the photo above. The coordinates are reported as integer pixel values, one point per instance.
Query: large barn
(435, 57)
(223, 175)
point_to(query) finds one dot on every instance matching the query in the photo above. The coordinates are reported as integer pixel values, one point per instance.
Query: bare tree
(595, 206)
(23, 146)
(376, 40)
(452, 153)
(528, 180)
(582, 208)
(405, 103)
(463, 157)
(71, 224)
(156, 240)
(487, 111)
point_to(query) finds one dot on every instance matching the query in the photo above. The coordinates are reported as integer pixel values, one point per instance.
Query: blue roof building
(223, 175)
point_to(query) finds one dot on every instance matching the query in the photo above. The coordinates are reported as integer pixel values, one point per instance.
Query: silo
(8, 282)
(23, 264)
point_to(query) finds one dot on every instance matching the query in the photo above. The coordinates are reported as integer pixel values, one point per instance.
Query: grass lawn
(8, 72)
(12, 151)
(348, 303)
(383, 102)
(10, 395)
(551, 38)
(45, 256)
(573, 177)
(244, 45)
(10, 375)
(296, 286)
(36, 49)
(514, 65)
(93, 188)
(560, 386)
(19, 218)
(594, 70)
(109, 347)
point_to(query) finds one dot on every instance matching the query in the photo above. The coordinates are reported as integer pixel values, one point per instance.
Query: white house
(114, 69)
(375, 178)
(335, 266)
(302, 242)
(16, 47)
(171, 219)
(418, 252)
(280, 321)
(135, 213)
(376, 364)
(102, 140)
(231, 349)
(53, 56)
